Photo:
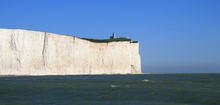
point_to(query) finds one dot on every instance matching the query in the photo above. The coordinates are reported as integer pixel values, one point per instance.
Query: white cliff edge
(24, 52)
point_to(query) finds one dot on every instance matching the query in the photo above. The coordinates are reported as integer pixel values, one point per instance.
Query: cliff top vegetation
(110, 40)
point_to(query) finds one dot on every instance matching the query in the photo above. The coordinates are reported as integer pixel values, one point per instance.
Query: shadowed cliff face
(25, 52)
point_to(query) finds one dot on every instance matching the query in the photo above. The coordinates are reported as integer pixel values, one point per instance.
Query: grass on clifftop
(109, 40)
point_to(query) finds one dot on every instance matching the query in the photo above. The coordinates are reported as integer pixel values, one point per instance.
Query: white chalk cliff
(24, 52)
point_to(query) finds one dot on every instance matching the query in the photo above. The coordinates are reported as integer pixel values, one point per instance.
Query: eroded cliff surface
(24, 52)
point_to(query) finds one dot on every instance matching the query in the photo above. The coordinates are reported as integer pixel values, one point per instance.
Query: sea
(141, 89)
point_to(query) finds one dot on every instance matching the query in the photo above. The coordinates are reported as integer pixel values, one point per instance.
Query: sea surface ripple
(143, 89)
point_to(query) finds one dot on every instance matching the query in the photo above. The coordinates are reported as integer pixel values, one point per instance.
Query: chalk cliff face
(24, 52)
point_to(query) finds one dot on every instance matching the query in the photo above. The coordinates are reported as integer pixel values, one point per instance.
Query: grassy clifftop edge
(110, 40)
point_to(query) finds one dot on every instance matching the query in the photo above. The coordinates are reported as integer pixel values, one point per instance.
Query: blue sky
(176, 36)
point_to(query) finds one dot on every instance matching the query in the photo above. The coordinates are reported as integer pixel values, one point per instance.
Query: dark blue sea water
(145, 89)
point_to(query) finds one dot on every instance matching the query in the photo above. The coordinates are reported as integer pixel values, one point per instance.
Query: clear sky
(176, 36)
